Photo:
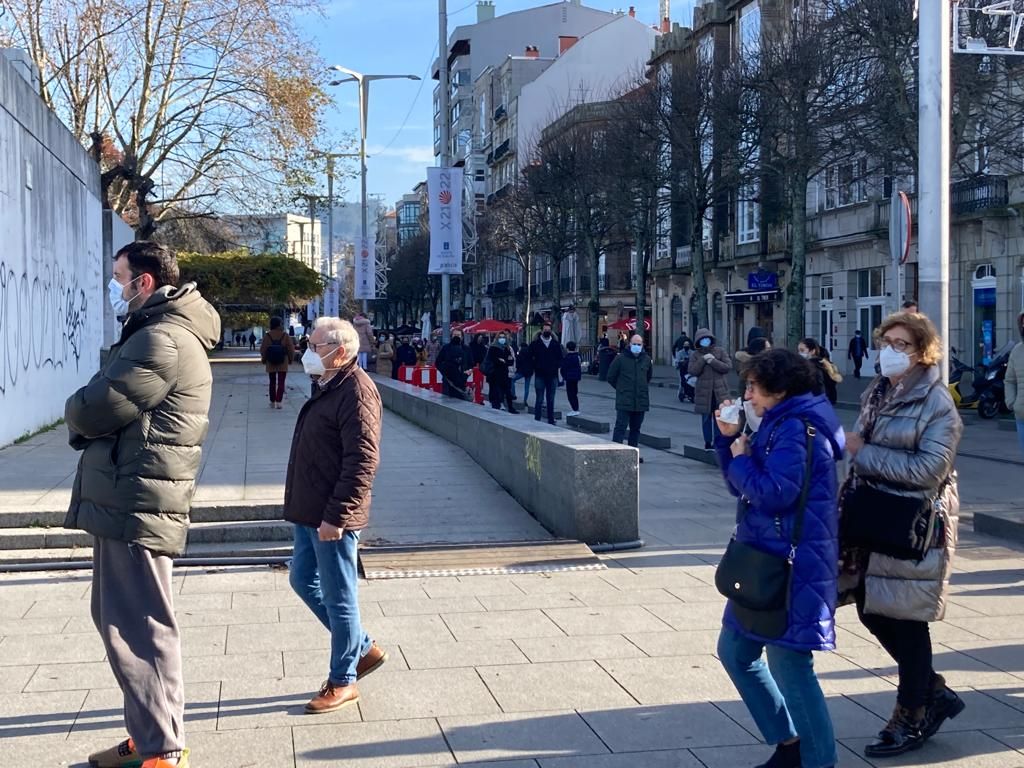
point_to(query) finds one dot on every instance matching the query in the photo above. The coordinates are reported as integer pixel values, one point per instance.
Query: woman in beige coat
(904, 444)
(385, 355)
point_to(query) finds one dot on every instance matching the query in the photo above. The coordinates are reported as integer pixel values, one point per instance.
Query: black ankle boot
(901, 734)
(944, 705)
(786, 756)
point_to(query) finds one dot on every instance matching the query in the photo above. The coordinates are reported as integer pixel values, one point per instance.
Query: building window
(846, 184)
(749, 39)
(871, 283)
(748, 217)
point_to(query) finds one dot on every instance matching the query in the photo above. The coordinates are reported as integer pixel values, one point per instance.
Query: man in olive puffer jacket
(140, 424)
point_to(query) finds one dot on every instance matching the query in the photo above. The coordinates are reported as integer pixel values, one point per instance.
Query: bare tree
(184, 102)
(803, 95)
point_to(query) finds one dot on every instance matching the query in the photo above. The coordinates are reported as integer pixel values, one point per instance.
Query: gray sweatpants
(132, 607)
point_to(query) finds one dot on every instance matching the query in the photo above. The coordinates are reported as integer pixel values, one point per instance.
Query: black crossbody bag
(758, 583)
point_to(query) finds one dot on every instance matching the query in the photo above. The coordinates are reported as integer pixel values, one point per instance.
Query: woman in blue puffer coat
(767, 472)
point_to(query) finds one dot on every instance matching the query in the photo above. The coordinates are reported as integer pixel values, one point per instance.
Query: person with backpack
(572, 372)
(497, 365)
(276, 352)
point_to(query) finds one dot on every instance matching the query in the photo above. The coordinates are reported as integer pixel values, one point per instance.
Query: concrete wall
(577, 486)
(51, 289)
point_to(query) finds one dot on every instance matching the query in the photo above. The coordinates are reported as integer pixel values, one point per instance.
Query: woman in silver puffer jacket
(905, 443)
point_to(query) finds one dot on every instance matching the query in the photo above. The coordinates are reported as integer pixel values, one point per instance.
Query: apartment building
(296, 236)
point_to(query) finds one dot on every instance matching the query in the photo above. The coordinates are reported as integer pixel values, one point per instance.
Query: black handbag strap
(798, 523)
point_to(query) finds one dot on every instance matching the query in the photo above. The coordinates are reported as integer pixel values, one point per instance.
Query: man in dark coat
(454, 359)
(500, 359)
(630, 374)
(404, 355)
(546, 356)
(857, 351)
(334, 457)
(140, 425)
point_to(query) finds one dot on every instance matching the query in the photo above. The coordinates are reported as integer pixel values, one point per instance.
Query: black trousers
(572, 391)
(910, 645)
(499, 391)
(632, 419)
(857, 363)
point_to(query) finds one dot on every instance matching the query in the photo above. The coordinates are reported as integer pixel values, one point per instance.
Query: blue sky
(400, 37)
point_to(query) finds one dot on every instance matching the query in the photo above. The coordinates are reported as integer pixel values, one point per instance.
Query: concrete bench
(655, 441)
(589, 424)
(577, 486)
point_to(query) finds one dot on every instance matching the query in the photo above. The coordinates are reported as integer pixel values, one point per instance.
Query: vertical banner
(331, 298)
(366, 277)
(444, 192)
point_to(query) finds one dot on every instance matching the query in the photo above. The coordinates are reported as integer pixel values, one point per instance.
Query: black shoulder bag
(758, 583)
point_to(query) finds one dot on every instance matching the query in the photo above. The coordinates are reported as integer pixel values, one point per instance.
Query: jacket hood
(360, 322)
(703, 333)
(817, 410)
(185, 307)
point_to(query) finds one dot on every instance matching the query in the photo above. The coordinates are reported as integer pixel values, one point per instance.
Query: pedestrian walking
(681, 362)
(277, 350)
(900, 509)
(385, 355)
(856, 352)
(334, 456)
(828, 374)
(366, 345)
(1014, 382)
(524, 373)
(710, 364)
(605, 355)
(252, 341)
(140, 424)
(497, 365)
(756, 344)
(786, 523)
(630, 374)
(572, 373)
(546, 357)
(453, 361)
(571, 331)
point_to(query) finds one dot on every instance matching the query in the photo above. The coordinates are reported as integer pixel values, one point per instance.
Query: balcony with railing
(980, 194)
(500, 113)
(565, 284)
(502, 149)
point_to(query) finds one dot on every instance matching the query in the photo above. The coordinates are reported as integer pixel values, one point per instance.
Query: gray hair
(341, 332)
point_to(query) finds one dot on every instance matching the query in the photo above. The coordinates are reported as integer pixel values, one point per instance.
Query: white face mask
(115, 293)
(805, 355)
(753, 420)
(312, 363)
(893, 363)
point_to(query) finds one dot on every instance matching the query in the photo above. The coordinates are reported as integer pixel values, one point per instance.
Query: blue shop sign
(762, 280)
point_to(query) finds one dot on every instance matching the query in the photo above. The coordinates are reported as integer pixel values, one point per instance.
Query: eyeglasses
(898, 344)
(323, 344)
(749, 387)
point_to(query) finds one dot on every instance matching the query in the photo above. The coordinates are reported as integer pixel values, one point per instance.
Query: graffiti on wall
(42, 322)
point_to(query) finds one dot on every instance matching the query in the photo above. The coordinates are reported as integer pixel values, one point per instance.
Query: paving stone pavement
(604, 669)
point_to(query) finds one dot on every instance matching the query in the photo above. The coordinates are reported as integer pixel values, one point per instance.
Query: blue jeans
(526, 386)
(783, 696)
(710, 428)
(325, 574)
(1020, 434)
(546, 387)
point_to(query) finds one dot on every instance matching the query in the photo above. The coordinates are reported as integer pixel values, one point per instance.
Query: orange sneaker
(160, 762)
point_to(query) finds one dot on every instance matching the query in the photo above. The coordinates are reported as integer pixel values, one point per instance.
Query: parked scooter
(962, 376)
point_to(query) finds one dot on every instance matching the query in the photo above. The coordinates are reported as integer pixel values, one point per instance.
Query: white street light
(363, 82)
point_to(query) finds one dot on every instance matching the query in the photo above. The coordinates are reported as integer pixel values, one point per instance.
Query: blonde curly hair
(922, 330)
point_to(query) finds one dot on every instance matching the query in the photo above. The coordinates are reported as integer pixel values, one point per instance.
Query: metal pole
(934, 24)
(364, 104)
(445, 109)
(332, 289)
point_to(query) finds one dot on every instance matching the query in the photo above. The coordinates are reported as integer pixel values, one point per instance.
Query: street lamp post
(363, 82)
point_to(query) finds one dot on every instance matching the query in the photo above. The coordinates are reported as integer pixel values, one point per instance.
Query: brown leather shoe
(371, 662)
(332, 698)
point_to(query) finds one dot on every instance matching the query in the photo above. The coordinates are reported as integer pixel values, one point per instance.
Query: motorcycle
(992, 391)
